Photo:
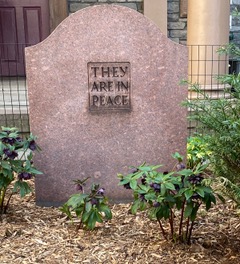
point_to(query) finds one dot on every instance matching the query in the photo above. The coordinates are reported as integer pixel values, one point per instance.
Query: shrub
(220, 120)
(173, 196)
(89, 208)
(197, 151)
(16, 165)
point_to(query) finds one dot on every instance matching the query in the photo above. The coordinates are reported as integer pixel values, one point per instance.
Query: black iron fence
(13, 87)
(205, 64)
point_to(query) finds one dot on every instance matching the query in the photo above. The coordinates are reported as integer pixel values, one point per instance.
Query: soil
(32, 234)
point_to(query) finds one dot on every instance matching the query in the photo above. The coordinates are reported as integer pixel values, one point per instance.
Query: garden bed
(32, 234)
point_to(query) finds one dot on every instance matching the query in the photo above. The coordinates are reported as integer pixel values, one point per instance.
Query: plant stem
(171, 223)
(6, 206)
(181, 219)
(190, 233)
(2, 196)
(187, 227)
(163, 231)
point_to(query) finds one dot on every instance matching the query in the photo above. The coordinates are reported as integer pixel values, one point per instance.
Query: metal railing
(13, 88)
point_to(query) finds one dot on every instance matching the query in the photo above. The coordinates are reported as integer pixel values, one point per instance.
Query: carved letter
(102, 100)
(94, 100)
(109, 101)
(110, 86)
(125, 100)
(117, 100)
(122, 86)
(124, 72)
(115, 72)
(94, 87)
(103, 86)
(95, 71)
(106, 71)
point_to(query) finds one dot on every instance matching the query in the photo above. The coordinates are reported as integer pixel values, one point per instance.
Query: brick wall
(75, 5)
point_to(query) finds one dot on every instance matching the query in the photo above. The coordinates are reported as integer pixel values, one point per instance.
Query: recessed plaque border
(109, 109)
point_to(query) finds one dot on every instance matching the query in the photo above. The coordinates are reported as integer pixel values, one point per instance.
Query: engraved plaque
(109, 86)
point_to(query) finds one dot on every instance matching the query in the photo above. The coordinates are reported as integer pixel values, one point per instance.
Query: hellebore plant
(175, 196)
(89, 208)
(16, 165)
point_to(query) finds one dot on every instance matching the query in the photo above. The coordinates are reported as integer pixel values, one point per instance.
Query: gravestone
(104, 94)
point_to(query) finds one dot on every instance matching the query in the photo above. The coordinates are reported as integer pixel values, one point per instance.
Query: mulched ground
(32, 234)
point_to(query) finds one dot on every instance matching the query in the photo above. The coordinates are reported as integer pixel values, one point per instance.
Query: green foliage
(89, 208)
(221, 120)
(16, 165)
(197, 151)
(163, 194)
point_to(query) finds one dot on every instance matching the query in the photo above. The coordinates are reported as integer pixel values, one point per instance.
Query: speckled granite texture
(76, 142)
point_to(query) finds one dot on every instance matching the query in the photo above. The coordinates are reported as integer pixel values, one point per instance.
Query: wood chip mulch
(32, 234)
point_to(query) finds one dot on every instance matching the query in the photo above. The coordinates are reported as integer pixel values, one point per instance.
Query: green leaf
(165, 211)
(22, 187)
(65, 209)
(135, 206)
(185, 172)
(145, 168)
(200, 191)
(34, 171)
(98, 217)
(107, 211)
(150, 196)
(76, 200)
(194, 212)
(91, 220)
(163, 189)
(177, 156)
(79, 210)
(85, 216)
(169, 186)
(133, 184)
(188, 210)
(88, 206)
(188, 193)
(5, 165)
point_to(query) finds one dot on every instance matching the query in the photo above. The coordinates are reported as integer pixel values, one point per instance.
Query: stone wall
(235, 23)
(177, 25)
(75, 5)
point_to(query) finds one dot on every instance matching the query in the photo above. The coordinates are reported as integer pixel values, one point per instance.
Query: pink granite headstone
(104, 94)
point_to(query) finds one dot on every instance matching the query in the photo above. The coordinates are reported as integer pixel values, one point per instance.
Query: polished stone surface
(77, 142)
